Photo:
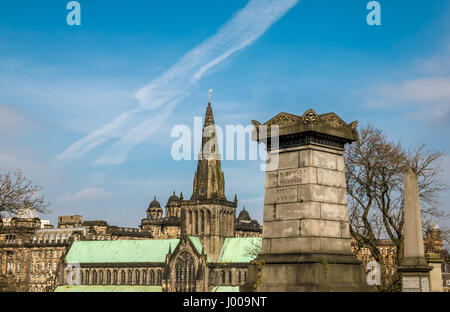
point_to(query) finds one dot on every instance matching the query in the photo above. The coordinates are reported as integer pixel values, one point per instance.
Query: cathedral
(207, 214)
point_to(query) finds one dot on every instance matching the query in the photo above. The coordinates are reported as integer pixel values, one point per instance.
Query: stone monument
(414, 269)
(306, 239)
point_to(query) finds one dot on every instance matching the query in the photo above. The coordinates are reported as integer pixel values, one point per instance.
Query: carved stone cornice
(310, 128)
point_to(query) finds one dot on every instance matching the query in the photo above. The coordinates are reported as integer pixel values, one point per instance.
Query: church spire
(209, 180)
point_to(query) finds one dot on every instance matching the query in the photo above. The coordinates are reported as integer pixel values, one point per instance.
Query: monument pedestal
(306, 237)
(306, 273)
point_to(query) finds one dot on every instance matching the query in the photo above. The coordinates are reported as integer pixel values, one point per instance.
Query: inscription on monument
(296, 176)
(411, 283)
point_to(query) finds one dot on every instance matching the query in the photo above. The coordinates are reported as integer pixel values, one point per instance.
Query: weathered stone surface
(334, 245)
(333, 212)
(310, 227)
(345, 229)
(304, 157)
(322, 193)
(271, 179)
(330, 228)
(330, 177)
(265, 245)
(324, 160)
(294, 245)
(297, 176)
(298, 210)
(288, 160)
(340, 164)
(269, 212)
(275, 229)
(280, 195)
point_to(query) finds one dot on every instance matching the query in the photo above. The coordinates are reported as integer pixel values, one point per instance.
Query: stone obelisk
(306, 241)
(413, 267)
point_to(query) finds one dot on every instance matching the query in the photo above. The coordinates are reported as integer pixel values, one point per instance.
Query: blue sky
(60, 83)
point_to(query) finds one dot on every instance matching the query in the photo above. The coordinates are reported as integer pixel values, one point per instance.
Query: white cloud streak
(158, 99)
(89, 193)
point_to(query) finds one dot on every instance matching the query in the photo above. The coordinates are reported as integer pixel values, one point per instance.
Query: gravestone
(306, 241)
(414, 269)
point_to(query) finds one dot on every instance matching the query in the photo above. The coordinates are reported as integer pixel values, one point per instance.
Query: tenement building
(30, 254)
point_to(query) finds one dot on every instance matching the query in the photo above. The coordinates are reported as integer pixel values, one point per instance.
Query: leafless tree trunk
(375, 169)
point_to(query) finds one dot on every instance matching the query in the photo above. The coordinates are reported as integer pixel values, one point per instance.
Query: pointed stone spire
(235, 198)
(181, 196)
(209, 180)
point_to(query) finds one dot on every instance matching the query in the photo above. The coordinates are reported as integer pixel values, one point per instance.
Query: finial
(154, 197)
(243, 208)
(181, 195)
(173, 192)
(235, 197)
(209, 95)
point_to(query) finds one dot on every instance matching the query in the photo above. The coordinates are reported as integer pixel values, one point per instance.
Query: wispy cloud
(89, 193)
(158, 99)
(427, 95)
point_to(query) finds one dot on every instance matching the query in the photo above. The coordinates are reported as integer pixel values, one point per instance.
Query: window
(239, 277)
(152, 277)
(115, 277)
(159, 278)
(87, 277)
(137, 277)
(94, 277)
(144, 278)
(101, 278)
(108, 277)
(185, 273)
(223, 277)
(230, 277)
(122, 278)
(130, 277)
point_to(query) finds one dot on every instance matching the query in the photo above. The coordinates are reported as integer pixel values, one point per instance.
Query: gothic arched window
(144, 277)
(115, 277)
(239, 277)
(152, 277)
(87, 277)
(184, 273)
(202, 222)
(137, 277)
(223, 277)
(159, 277)
(94, 277)
(122, 278)
(108, 277)
(130, 277)
(196, 222)
(230, 277)
(100, 278)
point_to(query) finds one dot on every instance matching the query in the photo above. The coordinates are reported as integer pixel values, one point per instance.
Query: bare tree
(375, 169)
(18, 194)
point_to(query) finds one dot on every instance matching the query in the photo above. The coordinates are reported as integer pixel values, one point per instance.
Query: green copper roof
(198, 246)
(240, 249)
(225, 289)
(107, 288)
(117, 251)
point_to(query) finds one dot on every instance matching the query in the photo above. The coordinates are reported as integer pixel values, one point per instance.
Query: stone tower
(208, 214)
(306, 239)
